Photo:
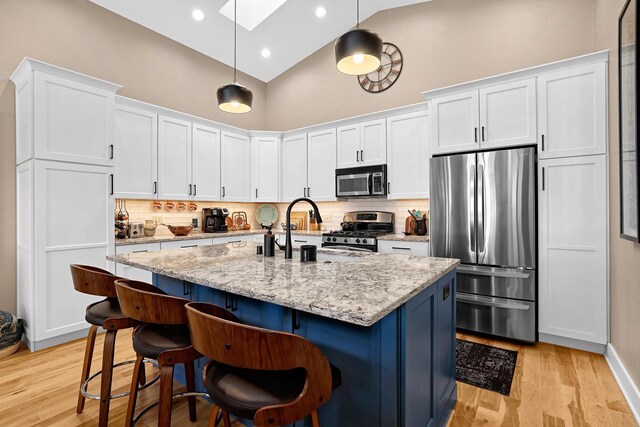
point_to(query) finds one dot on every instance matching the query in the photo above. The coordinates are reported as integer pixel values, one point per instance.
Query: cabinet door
(572, 112)
(445, 340)
(184, 244)
(508, 114)
(373, 143)
(454, 122)
(348, 146)
(205, 163)
(236, 167)
(408, 156)
(174, 158)
(573, 248)
(266, 169)
(321, 147)
(294, 167)
(135, 153)
(73, 121)
(64, 237)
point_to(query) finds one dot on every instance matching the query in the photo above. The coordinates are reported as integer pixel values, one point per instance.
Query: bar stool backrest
(242, 346)
(93, 280)
(148, 304)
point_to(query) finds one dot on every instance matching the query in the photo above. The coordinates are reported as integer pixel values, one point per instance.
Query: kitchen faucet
(288, 249)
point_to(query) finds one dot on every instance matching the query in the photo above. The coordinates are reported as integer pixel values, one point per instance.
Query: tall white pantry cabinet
(64, 179)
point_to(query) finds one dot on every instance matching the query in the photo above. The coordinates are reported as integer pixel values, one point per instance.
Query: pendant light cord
(357, 14)
(235, 38)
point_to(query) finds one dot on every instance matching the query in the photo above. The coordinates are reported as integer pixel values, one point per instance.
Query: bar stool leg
(86, 366)
(314, 419)
(133, 392)
(143, 375)
(107, 374)
(166, 393)
(190, 375)
(214, 415)
(225, 418)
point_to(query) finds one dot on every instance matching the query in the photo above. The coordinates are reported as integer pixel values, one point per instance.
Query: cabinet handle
(235, 241)
(300, 241)
(304, 191)
(357, 156)
(475, 131)
(399, 247)
(543, 178)
(139, 252)
(195, 189)
(295, 319)
(483, 133)
(186, 288)
(256, 193)
(234, 303)
(223, 192)
(388, 188)
(362, 155)
(111, 151)
(543, 142)
(190, 189)
(308, 191)
(227, 304)
(155, 187)
(446, 291)
(189, 246)
(111, 178)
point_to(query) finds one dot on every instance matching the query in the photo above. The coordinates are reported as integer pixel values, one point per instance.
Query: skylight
(251, 12)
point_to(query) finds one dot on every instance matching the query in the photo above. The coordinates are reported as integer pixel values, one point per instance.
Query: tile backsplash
(332, 212)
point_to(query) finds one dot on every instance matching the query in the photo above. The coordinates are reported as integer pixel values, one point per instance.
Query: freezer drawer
(497, 316)
(497, 282)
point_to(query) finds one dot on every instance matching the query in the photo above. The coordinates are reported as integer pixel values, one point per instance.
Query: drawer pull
(398, 247)
(189, 246)
(235, 241)
(300, 241)
(141, 251)
(478, 300)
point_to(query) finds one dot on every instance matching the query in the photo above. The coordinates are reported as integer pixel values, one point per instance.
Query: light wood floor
(553, 386)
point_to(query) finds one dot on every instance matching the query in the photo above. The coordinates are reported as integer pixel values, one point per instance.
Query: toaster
(136, 229)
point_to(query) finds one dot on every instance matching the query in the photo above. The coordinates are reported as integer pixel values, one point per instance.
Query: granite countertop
(355, 287)
(402, 238)
(158, 238)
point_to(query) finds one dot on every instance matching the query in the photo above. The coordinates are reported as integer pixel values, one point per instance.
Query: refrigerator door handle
(471, 207)
(481, 208)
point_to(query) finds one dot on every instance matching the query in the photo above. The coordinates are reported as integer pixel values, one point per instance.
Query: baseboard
(60, 339)
(573, 343)
(628, 387)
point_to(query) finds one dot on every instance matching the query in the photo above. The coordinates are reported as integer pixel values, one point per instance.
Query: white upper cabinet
(174, 158)
(135, 153)
(205, 163)
(321, 165)
(573, 219)
(362, 144)
(408, 154)
(294, 167)
(63, 115)
(373, 143)
(455, 122)
(235, 167)
(572, 111)
(508, 114)
(266, 166)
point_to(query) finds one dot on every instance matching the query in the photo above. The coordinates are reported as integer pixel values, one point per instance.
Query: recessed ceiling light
(321, 12)
(265, 53)
(197, 14)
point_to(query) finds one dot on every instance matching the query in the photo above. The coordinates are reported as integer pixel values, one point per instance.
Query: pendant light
(358, 51)
(235, 98)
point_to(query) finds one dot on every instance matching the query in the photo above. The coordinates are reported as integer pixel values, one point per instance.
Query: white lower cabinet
(134, 273)
(405, 248)
(52, 236)
(191, 243)
(573, 227)
(408, 153)
(298, 240)
(231, 239)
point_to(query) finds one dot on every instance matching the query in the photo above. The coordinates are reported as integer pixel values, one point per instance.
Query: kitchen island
(386, 321)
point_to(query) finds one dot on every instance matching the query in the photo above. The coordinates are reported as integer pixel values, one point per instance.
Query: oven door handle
(346, 248)
(490, 302)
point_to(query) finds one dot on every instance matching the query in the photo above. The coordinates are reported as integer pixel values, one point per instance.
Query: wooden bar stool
(273, 378)
(162, 336)
(107, 314)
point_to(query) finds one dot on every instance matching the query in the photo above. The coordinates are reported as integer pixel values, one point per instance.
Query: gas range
(360, 230)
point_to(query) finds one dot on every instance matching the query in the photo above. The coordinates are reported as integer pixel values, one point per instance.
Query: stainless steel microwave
(365, 181)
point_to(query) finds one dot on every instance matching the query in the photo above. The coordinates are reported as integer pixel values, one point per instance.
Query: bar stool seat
(97, 313)
(150, 340)
(243, 392)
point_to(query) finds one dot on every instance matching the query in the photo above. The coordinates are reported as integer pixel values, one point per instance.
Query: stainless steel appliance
(483, 211)
(214, 220)
(360, 230)
(365, 181)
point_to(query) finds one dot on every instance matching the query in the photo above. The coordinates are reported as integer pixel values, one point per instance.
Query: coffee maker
(213, 220)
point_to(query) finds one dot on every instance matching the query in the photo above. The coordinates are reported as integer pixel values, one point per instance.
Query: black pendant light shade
(234, 98)
(358, 52)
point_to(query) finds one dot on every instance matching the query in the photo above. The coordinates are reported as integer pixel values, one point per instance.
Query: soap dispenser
(269, 243)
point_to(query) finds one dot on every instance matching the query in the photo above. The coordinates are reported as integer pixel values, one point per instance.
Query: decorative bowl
(179, 230)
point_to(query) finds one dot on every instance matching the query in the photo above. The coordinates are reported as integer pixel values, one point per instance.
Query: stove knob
(364, 241)
(334, 239)
(346, 240)
(357, 240)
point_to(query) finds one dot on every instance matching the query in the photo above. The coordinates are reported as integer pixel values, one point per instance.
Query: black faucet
(288, 249)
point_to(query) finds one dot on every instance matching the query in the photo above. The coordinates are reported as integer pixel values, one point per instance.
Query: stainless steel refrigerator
(483, 211)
